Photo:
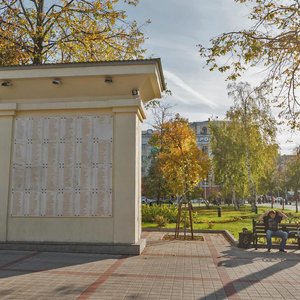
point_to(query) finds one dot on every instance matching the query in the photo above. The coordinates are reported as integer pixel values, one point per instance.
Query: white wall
(124, 225)
(6, 122)
(83, 91)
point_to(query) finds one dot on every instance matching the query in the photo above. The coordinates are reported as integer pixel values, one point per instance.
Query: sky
(176, 28)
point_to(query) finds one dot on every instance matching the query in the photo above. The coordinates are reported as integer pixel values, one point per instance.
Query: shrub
(210, 225)
(161, 221)
(149, 212)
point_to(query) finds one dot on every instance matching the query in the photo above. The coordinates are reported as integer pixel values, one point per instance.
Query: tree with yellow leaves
(180, 161)
(39, 31)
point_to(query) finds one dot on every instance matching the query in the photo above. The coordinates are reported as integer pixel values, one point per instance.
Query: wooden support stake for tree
(178, 220)
(190, 208)
(191, 218)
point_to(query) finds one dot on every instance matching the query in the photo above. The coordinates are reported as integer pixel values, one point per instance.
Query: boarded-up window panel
(62, 166)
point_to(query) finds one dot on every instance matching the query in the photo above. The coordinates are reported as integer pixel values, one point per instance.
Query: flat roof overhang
(97, 80)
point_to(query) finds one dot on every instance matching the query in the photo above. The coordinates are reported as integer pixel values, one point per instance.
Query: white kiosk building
(70, 155)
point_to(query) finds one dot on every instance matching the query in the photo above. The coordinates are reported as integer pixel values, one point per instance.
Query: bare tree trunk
(272, 199)
(236, 207)
(252, 189)
(246, 134)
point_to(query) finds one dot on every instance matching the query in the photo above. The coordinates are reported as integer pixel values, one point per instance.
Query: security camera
(6, 83)
(108, 80)
(135, 92)
(56, 81)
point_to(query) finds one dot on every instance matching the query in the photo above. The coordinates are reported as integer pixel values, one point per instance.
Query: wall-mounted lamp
(56, 81)
(108, 80)
(6, 83)
(135, 92)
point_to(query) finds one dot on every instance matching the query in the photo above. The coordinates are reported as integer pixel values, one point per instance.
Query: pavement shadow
(235, 257)
(14, 263)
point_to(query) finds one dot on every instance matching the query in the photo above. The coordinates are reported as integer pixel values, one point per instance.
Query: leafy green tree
(252, 112)
(228, 159)
(154, 185)
(293, 177)
(244, 147)
(270, 182)
(39, 31)
(272, 42)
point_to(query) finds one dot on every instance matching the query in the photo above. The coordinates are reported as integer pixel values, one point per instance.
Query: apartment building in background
(202, 135)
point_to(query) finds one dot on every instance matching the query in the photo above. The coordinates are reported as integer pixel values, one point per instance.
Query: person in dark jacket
(271, 220)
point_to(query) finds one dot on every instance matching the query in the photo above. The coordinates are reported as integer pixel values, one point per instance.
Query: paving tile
(167, 270)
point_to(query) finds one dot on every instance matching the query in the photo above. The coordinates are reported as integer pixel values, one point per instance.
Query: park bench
(293, 230)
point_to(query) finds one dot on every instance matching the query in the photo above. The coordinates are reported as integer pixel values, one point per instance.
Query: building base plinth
(96, 248)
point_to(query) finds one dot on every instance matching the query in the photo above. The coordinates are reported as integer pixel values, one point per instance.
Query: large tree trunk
(38, 39)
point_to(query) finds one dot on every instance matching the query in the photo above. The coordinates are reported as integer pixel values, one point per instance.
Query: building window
(204, 130)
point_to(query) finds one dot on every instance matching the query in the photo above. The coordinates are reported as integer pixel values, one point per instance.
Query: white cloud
(197, 92)
(194, 94)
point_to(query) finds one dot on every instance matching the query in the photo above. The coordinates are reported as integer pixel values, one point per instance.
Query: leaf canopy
(271, 43)
(39, 31)
(181, 163)
(243, 146)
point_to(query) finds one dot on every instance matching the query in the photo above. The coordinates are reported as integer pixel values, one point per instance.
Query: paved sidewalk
(209, 269)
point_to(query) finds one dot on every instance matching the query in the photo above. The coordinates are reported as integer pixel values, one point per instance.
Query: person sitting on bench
(271, 221)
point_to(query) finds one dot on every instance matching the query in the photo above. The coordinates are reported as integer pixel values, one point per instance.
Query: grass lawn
(232, 220)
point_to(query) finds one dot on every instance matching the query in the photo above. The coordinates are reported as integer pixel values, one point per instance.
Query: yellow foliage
(182, 164)
(72, 31)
